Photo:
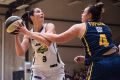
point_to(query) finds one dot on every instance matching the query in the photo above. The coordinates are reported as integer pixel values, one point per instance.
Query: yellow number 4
(103, 40)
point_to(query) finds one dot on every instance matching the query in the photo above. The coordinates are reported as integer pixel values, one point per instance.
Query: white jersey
(45, 58)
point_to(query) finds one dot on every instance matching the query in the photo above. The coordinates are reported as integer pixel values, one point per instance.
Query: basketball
(11, 24)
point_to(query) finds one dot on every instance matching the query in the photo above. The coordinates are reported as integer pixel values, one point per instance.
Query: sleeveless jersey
(45, 58)
(97, 39)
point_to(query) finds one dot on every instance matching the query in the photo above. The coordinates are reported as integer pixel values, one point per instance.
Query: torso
(97, 39)
(43, 56)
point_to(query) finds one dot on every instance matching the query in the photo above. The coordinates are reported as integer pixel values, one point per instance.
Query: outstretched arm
(68, 35)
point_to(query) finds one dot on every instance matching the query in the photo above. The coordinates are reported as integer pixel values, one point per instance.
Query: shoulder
(50, 25)
(79, 26)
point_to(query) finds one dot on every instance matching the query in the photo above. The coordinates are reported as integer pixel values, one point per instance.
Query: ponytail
(26, 16)
(96, 11)
(99, 6)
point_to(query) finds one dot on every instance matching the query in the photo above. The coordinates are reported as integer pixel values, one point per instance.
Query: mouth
(41, 16)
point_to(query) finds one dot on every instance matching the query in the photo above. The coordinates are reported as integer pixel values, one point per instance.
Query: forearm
(38, 37)
(58, 38)
(66, 36)
(18, 47)
(50, 36)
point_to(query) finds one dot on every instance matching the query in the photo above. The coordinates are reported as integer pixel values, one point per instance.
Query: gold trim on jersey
(86, 44)
(96, 23)
(90, 72)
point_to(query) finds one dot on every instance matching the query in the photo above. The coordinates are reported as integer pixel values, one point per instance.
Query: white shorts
(57, 74)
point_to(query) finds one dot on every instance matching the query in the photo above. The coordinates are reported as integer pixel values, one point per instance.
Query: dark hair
(27, 14)
(96, 11)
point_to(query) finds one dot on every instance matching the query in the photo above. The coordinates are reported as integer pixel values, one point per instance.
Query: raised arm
(76, 30)
(50, 28)
(21, 47)
(33, 35)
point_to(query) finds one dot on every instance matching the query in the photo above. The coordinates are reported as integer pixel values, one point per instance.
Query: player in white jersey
(46, 64)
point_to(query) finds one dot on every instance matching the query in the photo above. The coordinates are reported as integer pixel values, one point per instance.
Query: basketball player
(46, 64)
(101, 53)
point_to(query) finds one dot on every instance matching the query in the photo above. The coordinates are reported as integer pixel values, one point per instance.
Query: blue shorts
(107, 68)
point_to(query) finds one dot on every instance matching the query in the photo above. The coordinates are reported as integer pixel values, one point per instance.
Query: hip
(45, 68)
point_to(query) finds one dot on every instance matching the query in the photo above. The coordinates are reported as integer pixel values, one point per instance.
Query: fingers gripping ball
(12, 23)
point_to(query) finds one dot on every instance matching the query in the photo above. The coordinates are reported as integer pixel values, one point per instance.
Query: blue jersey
(97, 39)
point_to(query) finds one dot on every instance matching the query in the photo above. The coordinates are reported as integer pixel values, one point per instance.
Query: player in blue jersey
(101, 53)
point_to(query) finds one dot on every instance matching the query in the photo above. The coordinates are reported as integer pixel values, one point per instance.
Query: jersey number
(103, 40)
(44, 58)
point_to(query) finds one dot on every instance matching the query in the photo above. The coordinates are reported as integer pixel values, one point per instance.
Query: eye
(38, 11)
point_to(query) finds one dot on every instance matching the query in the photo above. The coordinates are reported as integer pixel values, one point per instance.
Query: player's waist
(112, 51)
(47, 66)
(109, 53)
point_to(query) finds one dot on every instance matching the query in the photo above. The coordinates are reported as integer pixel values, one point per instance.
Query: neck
(89, 20)
(37, 26)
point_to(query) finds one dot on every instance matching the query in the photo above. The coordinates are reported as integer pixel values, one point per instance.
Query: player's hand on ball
(12, 24)
(18, 25)
(24, 30)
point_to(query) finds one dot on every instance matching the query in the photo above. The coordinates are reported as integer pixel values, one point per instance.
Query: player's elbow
(20, 54)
